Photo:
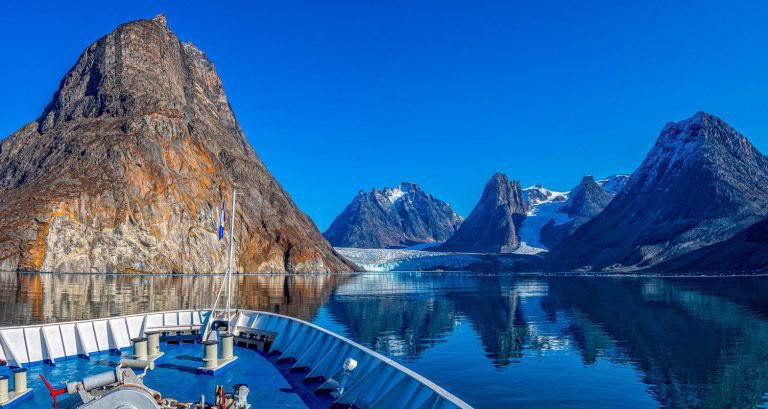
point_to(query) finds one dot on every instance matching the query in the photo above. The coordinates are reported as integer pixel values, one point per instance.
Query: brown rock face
(127, 167)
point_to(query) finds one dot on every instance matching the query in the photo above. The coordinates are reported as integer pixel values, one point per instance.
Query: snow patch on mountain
(544, 206)
(530, 229)
(538, 194)
(395, 194)
(613, 184)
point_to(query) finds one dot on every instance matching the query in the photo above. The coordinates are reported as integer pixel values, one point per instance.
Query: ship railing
(377, 381)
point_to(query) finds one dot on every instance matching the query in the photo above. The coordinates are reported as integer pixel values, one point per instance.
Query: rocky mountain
(493, 224)
(613, 184)
(745, 252)
(538, 194)
(553, 216)
(127, 167)
(701, 183)
(586, 200)
(543, 208)
(393, 217)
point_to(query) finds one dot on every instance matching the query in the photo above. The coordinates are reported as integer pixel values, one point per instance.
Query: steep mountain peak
(160, 19)
(700, 183)
(587, 199)
(129, 163)
(492, 225)
(400, 216)
(139, 68)
(404, 189)
(702, 137)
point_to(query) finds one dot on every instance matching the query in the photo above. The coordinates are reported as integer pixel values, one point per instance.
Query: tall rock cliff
(492, 226)
(701, 183)
(126, 169)
(398, 217)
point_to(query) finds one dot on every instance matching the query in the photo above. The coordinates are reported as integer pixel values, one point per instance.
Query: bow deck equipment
(282, 362)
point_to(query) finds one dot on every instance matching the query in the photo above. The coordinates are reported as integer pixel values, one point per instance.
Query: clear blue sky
(339, 96)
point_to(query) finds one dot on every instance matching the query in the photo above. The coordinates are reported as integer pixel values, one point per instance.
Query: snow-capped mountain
(544, 208)
(700, 184)
(613, 184)
(538, 194)
(395, 217)
(553, 216)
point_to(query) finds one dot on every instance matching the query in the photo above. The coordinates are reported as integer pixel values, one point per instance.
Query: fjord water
(565, 341)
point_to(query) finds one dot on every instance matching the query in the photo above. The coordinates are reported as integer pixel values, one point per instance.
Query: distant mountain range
(698, 202)
(125, 170)
(396, 217)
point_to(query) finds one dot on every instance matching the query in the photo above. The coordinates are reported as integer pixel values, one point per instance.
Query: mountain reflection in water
(494, 340)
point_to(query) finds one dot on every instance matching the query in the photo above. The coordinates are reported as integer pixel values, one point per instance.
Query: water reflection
(45, 298)
(493, 340)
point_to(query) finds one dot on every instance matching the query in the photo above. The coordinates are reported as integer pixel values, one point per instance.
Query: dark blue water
(493, 340)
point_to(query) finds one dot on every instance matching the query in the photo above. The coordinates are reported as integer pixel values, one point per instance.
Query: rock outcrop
(745, 252)
(702, 183)
(492, 226)
(553, 216)
(127, 167)
(390, 218)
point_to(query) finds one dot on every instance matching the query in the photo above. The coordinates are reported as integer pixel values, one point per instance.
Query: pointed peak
(407, 186)
(160, 19)
(699, 117)
(498, 178)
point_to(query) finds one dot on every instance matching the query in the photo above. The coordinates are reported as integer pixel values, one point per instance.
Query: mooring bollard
(139, 348)
(211, 353)
(4, 389)
(153, 343)
(227, 342)
(19, 380)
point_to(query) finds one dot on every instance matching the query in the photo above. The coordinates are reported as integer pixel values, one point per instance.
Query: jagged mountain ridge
(553, 216)
(393, 217)
(700, 184)
(126, 168)
(493, 223)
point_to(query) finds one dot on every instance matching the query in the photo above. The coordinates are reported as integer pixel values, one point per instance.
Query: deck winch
(122, 388)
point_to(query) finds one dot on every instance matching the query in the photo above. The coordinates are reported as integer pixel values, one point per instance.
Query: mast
(229, 261)
(227, 277)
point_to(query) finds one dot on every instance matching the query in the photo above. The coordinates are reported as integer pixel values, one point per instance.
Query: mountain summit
(701, 183)
(394, 217)
(127, 167)
(493, 224)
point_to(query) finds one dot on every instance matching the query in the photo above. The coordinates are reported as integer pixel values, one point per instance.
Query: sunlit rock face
(127, 167)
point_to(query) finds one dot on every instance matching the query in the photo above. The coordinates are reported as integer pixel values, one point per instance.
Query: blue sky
(336, 96)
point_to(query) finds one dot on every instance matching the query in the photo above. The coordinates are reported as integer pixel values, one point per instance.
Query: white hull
(378, 381)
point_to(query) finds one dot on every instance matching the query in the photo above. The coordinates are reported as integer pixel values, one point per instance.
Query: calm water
(495, 341)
